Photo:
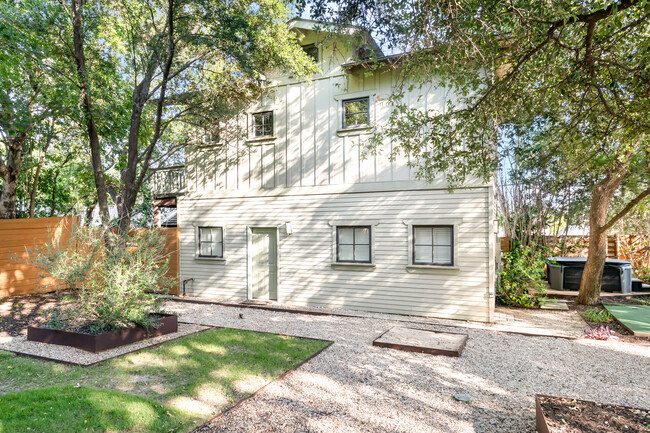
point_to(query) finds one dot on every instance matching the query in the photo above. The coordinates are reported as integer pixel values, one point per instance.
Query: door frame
(249, 258)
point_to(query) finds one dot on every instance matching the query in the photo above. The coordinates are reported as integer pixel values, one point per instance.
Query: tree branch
(638, 199)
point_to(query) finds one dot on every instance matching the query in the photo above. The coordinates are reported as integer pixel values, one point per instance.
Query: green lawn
(169, 388)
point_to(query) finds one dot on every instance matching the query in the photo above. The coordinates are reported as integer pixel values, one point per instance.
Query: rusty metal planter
(541, 418)
(104, 341)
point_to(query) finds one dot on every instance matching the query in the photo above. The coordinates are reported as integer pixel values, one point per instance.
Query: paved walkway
(355, 387)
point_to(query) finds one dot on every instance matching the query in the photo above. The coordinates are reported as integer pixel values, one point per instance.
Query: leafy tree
(570, 80)
(29, 95)
(172, 61)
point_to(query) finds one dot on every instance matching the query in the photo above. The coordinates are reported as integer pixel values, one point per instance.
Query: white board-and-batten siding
(306, 274)
(312, 172)
(309, 146)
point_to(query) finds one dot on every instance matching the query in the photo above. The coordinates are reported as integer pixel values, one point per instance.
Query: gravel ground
(353, 386)
(73, 355)
(565, 324)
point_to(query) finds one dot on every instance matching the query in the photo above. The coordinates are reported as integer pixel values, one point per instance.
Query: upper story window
(353, 244)
(263, 124)
(433, 245)
(211, 242)
(356, 112)
(312, 51)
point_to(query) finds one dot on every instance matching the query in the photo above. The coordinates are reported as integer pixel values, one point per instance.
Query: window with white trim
(210, 242)
(433, 245)
(353, 244)
(263, 124)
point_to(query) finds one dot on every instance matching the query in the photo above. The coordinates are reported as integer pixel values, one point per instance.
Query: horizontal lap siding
(306, 275)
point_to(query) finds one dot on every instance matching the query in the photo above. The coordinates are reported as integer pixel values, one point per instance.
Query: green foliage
(114, 287)
(45, 396)
(596, 315)
(521, 283)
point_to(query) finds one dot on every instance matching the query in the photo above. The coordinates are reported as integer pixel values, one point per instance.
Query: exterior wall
(309, 147)
(312, 171)
(306, 274)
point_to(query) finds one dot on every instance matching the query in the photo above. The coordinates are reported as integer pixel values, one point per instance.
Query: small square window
(312, 51)
(355, 112)
(211, 242)
(353, 244)
(263, 124)
(433, 245)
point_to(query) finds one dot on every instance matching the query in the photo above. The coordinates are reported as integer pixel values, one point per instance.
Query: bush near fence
(18, 235)
(633, 248)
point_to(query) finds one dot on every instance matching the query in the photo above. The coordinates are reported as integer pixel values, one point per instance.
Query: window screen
(355, 112)
(353, 244)
(433, 245)
(211, 242)
(263, 124)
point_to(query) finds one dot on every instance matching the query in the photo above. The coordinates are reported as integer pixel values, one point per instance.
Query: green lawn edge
(166, 382)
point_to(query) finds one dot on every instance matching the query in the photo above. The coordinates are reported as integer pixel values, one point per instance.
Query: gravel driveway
(355, 387)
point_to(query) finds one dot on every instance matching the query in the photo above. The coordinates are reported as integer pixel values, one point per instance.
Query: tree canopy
(565, 85)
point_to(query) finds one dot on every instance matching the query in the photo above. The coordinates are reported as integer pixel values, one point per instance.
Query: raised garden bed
(566, 415)
(107, 340)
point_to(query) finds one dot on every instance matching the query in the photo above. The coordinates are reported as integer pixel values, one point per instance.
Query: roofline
(332, 28)
(391, 59)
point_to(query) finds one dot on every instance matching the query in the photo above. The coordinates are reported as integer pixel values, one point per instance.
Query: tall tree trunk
(597, 254)
(34, 185)
(132, 181)
(9, 172)
(93, 135)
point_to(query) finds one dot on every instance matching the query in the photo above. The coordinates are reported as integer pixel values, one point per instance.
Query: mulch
(616, 327)
(581, 416)
(20, 311)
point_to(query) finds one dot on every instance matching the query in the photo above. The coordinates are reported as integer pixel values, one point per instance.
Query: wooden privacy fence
(20, 234)
(633, 248)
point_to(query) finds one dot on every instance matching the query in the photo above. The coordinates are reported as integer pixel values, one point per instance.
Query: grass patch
(193, 378)
(643, 300)
(69, 409)
(596, 315)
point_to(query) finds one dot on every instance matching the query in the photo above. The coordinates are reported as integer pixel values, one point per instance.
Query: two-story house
(292, 211)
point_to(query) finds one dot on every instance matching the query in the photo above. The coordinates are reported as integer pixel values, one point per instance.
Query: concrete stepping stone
(558, 304)
(421, 341)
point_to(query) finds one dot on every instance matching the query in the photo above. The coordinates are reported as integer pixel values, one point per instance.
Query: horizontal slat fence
(633, 248)
(19, 235)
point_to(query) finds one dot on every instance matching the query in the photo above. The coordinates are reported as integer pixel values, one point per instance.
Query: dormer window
(355, 112)
(263, 124)
(312, 51)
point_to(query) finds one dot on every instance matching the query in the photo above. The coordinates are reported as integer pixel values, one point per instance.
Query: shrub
(113, 288)
(521, 283)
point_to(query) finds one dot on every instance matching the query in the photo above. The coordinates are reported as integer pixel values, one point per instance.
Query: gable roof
(304, 25)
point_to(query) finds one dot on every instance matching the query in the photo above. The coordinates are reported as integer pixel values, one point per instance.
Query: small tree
(111, 290)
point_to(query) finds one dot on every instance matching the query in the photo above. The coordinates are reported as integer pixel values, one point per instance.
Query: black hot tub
(565, 273)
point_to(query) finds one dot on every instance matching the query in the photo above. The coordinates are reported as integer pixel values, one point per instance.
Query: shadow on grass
(70, 409)
(194, 378)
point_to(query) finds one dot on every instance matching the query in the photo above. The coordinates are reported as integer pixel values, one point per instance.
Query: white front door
(264, 263)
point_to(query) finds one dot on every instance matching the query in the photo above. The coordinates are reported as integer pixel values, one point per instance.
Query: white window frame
(453, 223)
(197, 249)
(335, 224)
